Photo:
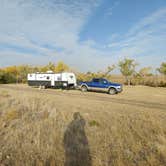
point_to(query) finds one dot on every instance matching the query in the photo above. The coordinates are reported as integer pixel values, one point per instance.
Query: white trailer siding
(52, 79)
(58, 77)
(69, 77)
(32, 76)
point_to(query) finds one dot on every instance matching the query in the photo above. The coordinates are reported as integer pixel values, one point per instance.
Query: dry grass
(154, 81)
(44, 129)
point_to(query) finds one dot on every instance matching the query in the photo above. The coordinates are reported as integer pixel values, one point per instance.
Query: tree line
(127, 67)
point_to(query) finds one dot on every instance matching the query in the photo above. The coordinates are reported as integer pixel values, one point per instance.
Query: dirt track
(119, 99)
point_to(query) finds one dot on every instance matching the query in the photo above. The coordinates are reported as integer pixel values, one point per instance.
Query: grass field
(71, 128)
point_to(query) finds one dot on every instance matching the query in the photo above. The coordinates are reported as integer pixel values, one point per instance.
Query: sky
(88, 35)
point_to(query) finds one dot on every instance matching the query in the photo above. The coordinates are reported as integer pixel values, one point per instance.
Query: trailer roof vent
(50, 71)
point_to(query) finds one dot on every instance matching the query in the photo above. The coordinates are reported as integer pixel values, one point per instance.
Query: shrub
(162, 84)
(6, 78)
(150, 83)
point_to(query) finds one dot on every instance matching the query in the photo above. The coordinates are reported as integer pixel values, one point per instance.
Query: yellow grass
(55, 127)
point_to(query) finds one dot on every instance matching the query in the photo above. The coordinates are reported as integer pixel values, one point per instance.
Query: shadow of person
(76, 144)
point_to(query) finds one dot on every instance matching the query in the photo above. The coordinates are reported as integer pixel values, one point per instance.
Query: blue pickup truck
(101, 84)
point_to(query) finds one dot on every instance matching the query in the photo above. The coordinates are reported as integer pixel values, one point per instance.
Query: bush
(150, 83)
(162, 84)
(2, 77)
(10, 78)
(6, 78)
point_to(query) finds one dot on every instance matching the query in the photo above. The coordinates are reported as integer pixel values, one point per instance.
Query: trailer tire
(44, 87)
(84, 88)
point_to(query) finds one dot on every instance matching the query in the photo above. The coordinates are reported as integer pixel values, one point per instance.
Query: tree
(143, 73)
(11, 69)
(23, 71)
(106, 73)
(10, 74)
(162, 68)
(49, 66)
(146, 71)
(109, 69)
(61, 67)
(127, 68)
(2, 77)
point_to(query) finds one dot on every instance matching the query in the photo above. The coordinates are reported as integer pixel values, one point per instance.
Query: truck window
(104, 81)
(95, 80)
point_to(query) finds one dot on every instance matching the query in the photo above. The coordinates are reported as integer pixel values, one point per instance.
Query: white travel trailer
(50, 79)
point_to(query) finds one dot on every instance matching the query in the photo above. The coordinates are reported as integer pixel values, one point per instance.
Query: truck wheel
(112, 91)
(84, 89)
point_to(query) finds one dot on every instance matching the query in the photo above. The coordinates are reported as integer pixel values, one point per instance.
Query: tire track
(90, 97)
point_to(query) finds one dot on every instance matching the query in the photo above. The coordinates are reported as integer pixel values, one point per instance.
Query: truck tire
(112, 91)
(84, 88)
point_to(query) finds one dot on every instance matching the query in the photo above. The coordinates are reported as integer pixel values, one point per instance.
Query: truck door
(95, 84)
(98, 84)
(103, 84)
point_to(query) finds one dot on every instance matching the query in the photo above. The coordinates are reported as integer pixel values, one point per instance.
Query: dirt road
(154, 98)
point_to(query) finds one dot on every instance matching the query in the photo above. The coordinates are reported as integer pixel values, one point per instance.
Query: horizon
(87, 35)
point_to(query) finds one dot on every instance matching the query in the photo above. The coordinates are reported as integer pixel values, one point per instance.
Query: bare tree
(110, 69)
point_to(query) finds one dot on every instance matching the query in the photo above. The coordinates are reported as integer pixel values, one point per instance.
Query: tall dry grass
(42, 130)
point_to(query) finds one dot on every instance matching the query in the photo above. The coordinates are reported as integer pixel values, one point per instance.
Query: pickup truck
(101, 84)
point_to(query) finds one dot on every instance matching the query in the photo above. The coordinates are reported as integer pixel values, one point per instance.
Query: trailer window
(71, 77)
(59, 78)
(48, 77)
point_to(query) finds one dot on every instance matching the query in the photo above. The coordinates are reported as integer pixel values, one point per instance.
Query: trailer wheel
(84, 88)
(44, 87)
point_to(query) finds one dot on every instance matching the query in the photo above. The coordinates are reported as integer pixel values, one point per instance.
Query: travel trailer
(50, 79)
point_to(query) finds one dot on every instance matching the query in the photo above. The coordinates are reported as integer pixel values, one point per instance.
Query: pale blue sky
(86, 34)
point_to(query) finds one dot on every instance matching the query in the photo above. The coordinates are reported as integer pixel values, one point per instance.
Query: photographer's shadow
(76, 144)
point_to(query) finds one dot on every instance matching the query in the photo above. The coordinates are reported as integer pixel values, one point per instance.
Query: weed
(94, 123)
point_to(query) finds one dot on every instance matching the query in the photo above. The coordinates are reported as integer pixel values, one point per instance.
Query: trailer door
(52, 80)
